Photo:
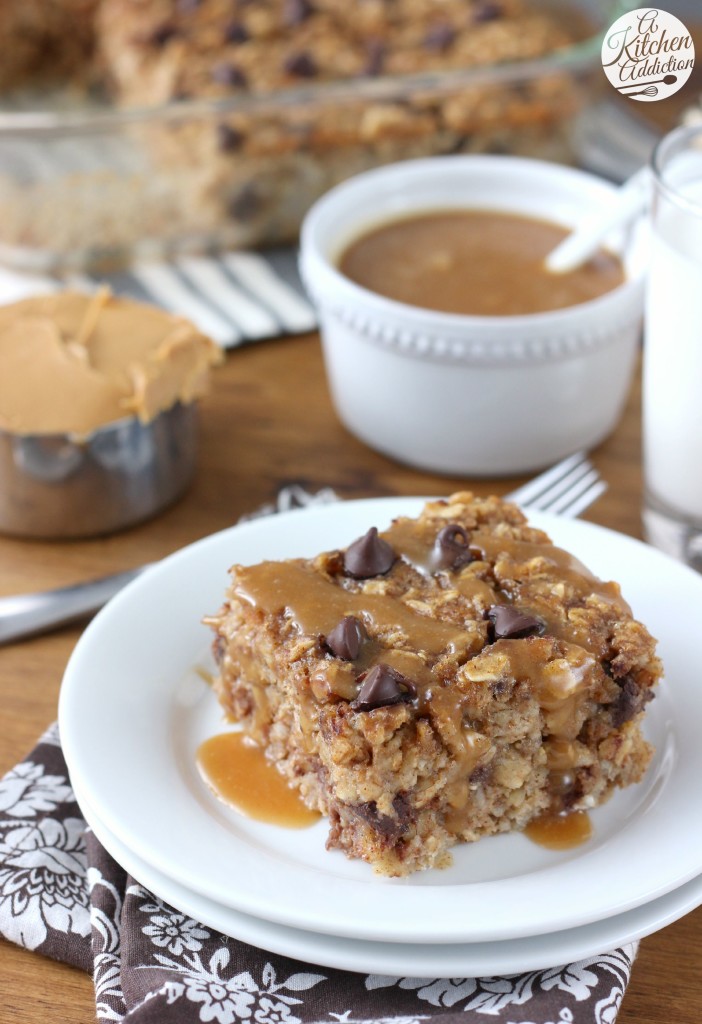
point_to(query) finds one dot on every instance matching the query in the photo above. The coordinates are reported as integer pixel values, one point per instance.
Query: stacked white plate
(134, 709)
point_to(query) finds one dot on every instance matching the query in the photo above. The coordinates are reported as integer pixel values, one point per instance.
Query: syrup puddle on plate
(238, 774)
(560, 831)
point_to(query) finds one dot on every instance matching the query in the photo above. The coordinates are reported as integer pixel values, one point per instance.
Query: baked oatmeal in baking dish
(130, 127)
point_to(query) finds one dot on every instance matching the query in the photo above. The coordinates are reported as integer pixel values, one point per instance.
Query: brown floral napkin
(62, 895)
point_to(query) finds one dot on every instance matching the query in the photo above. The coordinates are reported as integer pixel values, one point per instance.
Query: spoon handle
(28, 614)
(577, 248)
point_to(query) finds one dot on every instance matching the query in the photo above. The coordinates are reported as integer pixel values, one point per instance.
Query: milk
(672, 421)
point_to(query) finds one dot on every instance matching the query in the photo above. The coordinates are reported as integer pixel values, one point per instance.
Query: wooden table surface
(267, 423)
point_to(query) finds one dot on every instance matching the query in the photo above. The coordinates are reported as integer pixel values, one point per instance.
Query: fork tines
(567, 489)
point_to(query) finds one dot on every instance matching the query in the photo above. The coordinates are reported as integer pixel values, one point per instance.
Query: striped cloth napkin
(245, 296)
(235, 297)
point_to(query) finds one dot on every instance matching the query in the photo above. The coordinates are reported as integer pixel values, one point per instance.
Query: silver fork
(567, 489)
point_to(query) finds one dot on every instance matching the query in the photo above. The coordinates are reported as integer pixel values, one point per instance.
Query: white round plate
(470, 960)
(133, 710)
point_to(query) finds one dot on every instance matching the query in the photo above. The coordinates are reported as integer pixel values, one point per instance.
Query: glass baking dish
(91, 187)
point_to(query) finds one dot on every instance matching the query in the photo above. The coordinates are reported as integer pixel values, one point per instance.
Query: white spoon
(630, 200)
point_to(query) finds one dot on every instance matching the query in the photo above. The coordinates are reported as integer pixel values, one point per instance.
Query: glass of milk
(672, 386)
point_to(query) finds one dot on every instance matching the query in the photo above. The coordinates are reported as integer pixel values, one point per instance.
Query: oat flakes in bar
(451, 677)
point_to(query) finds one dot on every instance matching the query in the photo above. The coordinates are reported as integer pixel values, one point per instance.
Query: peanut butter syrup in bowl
(494, 365)
(475, 262)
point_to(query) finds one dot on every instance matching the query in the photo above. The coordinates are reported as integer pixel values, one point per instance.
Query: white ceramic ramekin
(483, 396)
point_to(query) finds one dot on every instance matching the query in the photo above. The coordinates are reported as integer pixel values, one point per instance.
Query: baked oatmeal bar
(454, 676)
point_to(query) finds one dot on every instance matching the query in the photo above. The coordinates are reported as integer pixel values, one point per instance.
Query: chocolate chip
(389, 827)
(375, 57)
(510, 624)
(236, 32)
(228, 74)
(301, 64)
(246, 204)
(451, 549)
(368, 556)
(296, 11)
(219, 646)
(439, 37)
(480, 775)
(631, 700)
(162, 34)
(346, 638)
(188, 6)
(382, 687)
(228, 138)
(487, 11)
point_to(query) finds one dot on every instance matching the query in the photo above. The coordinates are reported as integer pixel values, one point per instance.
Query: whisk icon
(650, 90)
(651, 87)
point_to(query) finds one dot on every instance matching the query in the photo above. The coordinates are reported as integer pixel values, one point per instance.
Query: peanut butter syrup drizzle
(416, 547)
(561, 685)
(414, 541)
(570, 569)
(556, 829)
(316, 605)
